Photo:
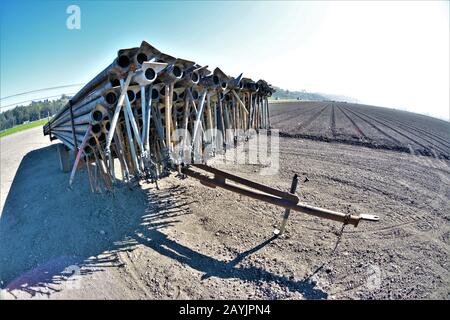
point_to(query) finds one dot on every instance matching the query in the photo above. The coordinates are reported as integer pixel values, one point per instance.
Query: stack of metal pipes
(153, 113)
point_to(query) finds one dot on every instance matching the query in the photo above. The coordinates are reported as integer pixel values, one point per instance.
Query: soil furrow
(408, 129)
(357, 128)
(333, 121)
(427, 133)
(426, 149)
(308, 121)
(280, 115)
(374, 126)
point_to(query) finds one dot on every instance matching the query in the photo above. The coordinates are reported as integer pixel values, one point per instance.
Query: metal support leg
(64, 158)
(279, 232)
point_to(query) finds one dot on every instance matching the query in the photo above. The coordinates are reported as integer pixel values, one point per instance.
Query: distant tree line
(303, 95)
(34, 111)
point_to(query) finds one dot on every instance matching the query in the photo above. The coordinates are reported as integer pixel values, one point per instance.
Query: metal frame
(260, 192)
(134, 130)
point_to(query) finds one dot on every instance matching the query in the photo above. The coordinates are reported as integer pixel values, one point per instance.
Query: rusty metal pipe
(282, 202)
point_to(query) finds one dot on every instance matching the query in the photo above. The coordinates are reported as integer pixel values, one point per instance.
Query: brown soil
(187, 241)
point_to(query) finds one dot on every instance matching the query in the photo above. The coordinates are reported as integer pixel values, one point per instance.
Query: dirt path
(12, 150)
(186, 241)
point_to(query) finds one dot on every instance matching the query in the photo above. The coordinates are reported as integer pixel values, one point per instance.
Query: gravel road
(12, 150)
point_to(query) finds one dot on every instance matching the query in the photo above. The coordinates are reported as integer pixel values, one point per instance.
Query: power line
(30, 100)
(43, 89)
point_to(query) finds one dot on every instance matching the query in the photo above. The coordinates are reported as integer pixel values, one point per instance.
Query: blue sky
(389, 54)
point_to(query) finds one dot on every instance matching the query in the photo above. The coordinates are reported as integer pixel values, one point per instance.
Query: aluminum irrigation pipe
(80, 151)
(116, 113)
(137, 108)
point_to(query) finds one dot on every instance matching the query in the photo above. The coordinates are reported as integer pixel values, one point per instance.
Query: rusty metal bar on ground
(268, 196)
(248, 183)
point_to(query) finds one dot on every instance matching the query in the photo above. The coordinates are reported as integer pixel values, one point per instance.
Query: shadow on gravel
(49, 234)
(225, 270)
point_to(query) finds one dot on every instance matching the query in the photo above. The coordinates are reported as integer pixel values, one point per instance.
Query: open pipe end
(131, 95)
(141, 58)
(111, 97)
(97, 116)
(223, 84)
(123, 61)
(195, 77)
(92, 142)
(115, 83)
(155, 94)
(96, 128)
(87, 150)
(150, 74)
(216, 80)
(177, 72)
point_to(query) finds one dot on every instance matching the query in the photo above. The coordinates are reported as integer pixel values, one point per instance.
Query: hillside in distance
(282, 94)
